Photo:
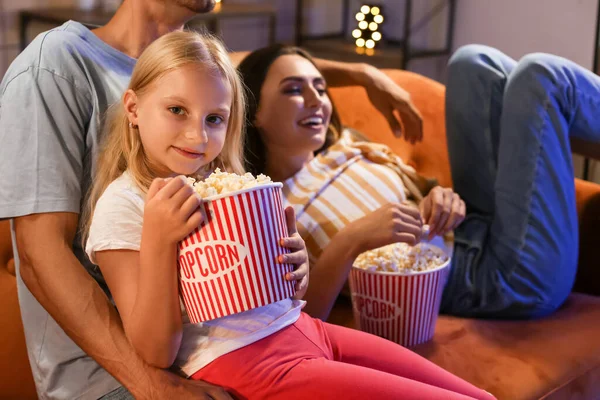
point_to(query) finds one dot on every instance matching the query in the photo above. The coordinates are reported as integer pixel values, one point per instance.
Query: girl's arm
(144, 287)
(389, 224)
(144, 283)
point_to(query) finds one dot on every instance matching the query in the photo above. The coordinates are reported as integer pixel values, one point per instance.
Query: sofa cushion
(557, 356)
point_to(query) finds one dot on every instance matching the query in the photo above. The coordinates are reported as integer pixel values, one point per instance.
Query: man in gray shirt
(52, 103)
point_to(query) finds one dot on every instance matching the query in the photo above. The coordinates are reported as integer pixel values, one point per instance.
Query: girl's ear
(130, 102)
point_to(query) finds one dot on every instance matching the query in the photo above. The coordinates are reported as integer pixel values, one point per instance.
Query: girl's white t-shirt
(117, 224)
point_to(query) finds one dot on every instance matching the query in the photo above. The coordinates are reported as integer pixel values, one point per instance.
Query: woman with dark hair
(508, 126)
(349, 196)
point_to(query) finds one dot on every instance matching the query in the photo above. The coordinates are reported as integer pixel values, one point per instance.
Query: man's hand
(395, 105)
(169, 386)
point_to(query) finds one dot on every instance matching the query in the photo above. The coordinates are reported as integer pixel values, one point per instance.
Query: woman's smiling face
(294, 110)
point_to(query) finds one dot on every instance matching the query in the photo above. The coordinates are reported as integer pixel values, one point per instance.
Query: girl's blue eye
(215, 119)
(177, 110)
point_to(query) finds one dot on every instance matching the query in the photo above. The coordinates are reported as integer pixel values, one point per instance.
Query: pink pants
(315, 360)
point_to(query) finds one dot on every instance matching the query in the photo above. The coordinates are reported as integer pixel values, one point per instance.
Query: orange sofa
(553, 358)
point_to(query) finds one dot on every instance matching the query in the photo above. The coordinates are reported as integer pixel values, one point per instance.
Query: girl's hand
(172, 209)
(391, 223)
(443, 210)
(299, 255)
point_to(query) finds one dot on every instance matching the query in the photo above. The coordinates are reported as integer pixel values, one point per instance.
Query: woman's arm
(390, 99)
(390, 223)
(329, 274)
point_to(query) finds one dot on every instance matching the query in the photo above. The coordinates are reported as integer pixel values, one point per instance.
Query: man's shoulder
(54, 52)
(58, 52)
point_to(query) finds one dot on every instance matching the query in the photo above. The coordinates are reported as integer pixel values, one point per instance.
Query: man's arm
(62, 285)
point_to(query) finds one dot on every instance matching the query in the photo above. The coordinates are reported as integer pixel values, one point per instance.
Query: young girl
(182, 115)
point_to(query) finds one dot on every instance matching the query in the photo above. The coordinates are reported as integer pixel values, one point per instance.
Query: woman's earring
(132, 126)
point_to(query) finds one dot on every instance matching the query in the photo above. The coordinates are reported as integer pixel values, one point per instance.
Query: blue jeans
(508, 126)
(118, 394)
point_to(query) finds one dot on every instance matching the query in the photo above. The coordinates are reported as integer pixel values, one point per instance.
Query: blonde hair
(122, 147)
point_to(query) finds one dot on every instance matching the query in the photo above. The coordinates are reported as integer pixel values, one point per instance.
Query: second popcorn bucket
(228, 264)
(399, 306)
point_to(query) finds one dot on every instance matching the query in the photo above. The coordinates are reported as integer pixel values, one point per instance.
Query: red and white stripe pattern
(400, 308)
(229, 263)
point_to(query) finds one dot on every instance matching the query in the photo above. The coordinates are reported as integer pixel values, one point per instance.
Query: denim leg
(477, 76)
(522, 263)
(118, 394)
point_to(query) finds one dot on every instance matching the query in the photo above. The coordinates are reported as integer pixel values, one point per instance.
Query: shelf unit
(393, 54)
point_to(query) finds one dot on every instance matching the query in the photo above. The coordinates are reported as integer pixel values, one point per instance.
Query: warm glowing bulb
(378, 19)
(360, 16)
(370, 44)
(365, 9)
(360, 50)
(370, 52)
(363, 25)
(376, 36)
(356, 33)
(360, 42)
(375, 10)
(373, 26)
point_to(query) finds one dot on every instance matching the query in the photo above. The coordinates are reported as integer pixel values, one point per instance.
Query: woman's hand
(172, 209)
(443, 210)
(391, 223)
(389, 99)
(298, 256)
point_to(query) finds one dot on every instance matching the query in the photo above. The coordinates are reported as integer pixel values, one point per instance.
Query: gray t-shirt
(52, 104)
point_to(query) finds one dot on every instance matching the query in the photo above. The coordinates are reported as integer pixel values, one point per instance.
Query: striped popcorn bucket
(229, 263)
(398, 306)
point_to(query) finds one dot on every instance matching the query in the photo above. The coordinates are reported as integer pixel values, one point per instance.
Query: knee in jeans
(469, 59)
(538, 69)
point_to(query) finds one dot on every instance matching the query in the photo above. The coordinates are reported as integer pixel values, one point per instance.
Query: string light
(367, 35)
